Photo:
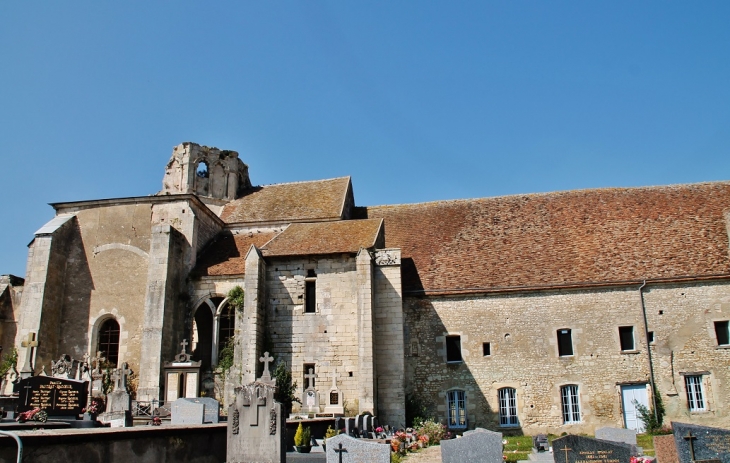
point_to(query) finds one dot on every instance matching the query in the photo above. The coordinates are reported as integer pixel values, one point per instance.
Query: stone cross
(29, 343)
(339, 451)
(120, 377)
(689, 438)
(183, 356)
(266, 376)
(334, 378)
(310, 378)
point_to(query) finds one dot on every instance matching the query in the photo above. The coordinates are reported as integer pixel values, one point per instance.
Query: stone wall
(11, 289)
(521, 332)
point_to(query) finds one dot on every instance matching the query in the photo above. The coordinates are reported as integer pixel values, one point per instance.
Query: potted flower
(327, 434)
(302, 439)
(94, 408)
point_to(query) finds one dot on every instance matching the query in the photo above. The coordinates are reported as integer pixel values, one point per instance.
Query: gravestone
(627, 436)
(57, 396)
(185, 411)
(63, 368)
(256, 427)
(665, 449)
(118, 412)
(477, 446)
(345, 449)
(182, 376)
(335, 399)
(574, 449)
(310, 398)
(97, 376)
(212, 408)
(701, 443)
(349, 425)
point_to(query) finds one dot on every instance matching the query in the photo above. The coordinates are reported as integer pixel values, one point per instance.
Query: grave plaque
(575, 449)
(57, 396)
(478, 446)
(701, 443)
(186, 412)
(627, 436)
(212, 408)
(665, 449)
(345, 449)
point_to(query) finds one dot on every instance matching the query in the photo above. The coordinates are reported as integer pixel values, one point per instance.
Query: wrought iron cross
(339, 450)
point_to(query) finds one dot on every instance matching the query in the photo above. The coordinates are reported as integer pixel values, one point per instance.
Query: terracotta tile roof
(290, 202)
(605, 235)
(226, 255)
(345, 236)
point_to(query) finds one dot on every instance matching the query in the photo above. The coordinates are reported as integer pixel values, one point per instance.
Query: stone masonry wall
(521, 330)
(327, 338)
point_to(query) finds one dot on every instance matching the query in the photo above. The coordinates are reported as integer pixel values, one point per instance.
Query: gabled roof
(290, 202)
(227, 254)
(563, 238)
(346, 236)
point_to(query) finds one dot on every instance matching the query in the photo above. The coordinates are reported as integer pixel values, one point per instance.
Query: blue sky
(416, 100)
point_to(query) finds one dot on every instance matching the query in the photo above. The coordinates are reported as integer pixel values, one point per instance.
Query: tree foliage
(236, 297)
(285, 387)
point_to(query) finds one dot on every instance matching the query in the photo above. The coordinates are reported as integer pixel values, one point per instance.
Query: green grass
(514, 457)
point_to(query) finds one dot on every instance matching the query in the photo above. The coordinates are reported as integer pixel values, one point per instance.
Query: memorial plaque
(576, 449)
(334, 398)
(191, 385)
(701, 443)
(57, 396)
(172, 387)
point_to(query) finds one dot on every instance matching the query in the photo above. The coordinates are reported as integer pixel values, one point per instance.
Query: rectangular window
(565, 343)
(310, 292)
(508, 407)
(695, 395)
(453, 349)
(486, 349)
(626, 335)
(571, 407)
(722, 333)
(457, 409)
(650, 337)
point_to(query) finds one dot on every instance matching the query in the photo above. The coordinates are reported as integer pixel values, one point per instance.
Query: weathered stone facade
(525, 313)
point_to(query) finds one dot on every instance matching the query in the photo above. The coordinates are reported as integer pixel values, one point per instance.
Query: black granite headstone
(579, 449)
(701, 443)
(56, 396)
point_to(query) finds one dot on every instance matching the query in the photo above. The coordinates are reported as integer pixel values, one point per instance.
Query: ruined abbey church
(548, 312)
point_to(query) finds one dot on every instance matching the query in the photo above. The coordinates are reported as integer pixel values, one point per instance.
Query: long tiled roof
(564, 238)
(290, 202)
(346, 236)
(227, 254)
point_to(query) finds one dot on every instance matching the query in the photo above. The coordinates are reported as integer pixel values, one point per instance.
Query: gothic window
(310, 292)
(226, 325)
(109, 341)
(456, 406)
(695, 393)
(626, 336)
(453, 349)
(565, 343)
(202, 169)
(571, 404)
(508, 407)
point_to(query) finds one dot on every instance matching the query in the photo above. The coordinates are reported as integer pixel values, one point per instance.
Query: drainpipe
(648, 351)
(17, 439)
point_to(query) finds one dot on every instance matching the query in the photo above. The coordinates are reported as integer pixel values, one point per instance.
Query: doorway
(631, 395)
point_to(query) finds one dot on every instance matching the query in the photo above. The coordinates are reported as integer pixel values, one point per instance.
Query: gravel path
(428, 455)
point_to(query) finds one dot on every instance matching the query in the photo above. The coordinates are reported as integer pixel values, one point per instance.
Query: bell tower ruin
(205, 171)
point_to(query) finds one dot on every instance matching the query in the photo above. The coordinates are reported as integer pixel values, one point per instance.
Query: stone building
(541, 312)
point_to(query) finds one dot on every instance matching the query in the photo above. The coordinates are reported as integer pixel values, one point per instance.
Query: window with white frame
(695, 393)
(456, 401)
(508, 407)
(571, 406)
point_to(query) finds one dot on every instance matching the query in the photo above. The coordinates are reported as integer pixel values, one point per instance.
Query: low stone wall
(142, 444)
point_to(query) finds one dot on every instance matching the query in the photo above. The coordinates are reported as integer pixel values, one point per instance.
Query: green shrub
(435, 431)
(9, 361)
(225, 357)
(236, 298)
(303, 436)
(652, 421)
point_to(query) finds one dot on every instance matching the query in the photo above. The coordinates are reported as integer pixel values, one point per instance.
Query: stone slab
(356, 450)
(665, 449)
(708, 443)
(627, 436)
(186, 412)
(212, 408)
(477, 446)
(574, 449)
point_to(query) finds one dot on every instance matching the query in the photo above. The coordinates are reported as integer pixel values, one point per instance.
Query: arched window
(508, 407)
(456, 403)
(109, 341)
(202, 169)
(226, 325)
(202, 334)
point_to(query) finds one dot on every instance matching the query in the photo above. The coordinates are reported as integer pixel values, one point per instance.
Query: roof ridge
(302, 181)
(555, 193)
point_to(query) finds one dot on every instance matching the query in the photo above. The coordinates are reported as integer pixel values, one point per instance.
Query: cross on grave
(120, 377)
(183, 356)
(29, 343)
(339, 451)
(27, 393)
(310, 378)
(260, 402)
(689, 438)
(566, 450)
(266, 359)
